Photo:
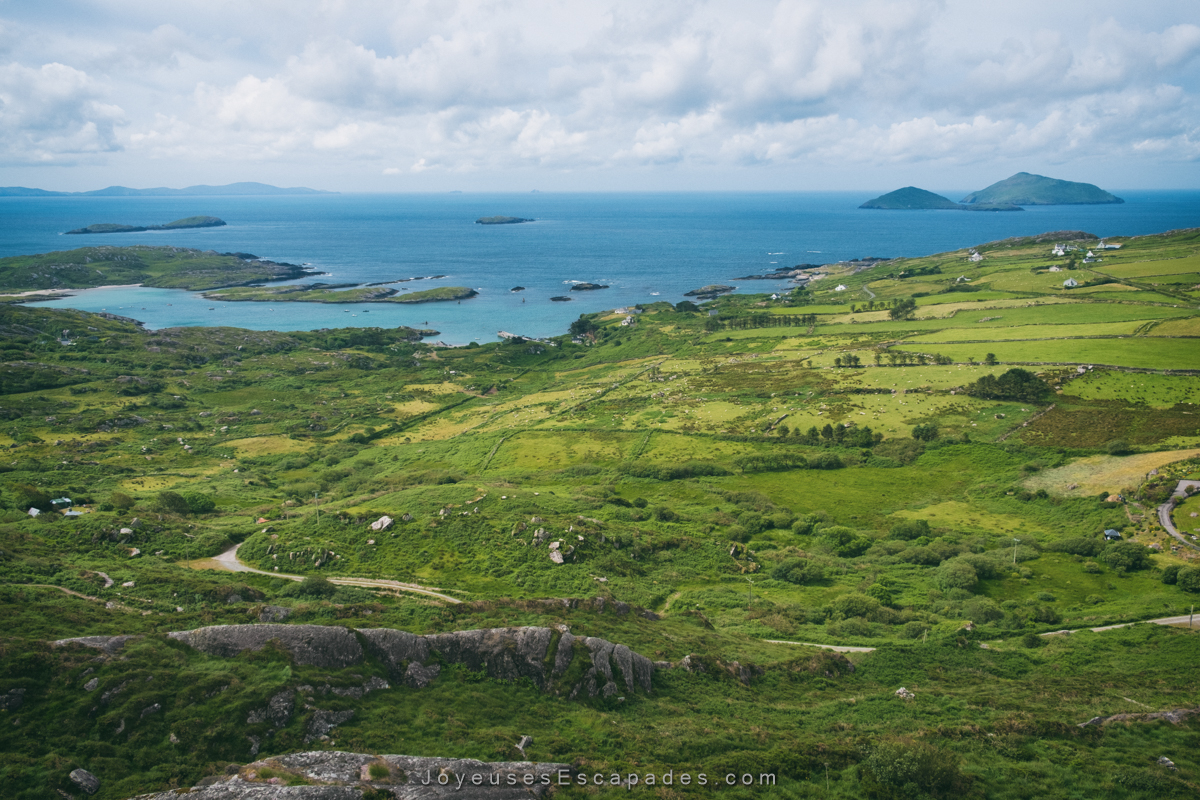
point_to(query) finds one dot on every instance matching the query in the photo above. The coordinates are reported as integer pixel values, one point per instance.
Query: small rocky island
(910, 198)
(562, 298)
(587, 287)
(336, 293)
(710, 291)
(501, 220)
(179, 224)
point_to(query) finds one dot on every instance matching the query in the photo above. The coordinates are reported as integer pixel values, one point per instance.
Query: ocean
(645, 246)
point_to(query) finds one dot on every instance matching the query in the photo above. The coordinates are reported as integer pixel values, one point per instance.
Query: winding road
(1164, 511)
(229, 562)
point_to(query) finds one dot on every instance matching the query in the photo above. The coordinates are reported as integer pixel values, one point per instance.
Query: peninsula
(336, 293)
(910, 198)
(161, 267)
(501, 220)
(1025, 189)
(186, 222)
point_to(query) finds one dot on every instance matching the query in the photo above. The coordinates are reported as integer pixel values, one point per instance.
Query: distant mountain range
(245, 188)
(1022, 189)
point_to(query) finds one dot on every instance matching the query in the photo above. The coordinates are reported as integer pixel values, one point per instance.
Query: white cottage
(1070, 283)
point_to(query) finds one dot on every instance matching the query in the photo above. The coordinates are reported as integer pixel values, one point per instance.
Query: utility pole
(750, 601)
(1015, 541)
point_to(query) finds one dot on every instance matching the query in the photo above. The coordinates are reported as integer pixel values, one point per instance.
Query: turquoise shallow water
(645, 246)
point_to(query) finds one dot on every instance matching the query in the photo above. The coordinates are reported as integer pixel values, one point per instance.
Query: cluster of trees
(841, 435)
(1017, 384)
(900, 358)
(170, 502)
(672, 472)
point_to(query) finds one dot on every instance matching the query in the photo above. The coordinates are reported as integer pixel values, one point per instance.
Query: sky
(602, 95)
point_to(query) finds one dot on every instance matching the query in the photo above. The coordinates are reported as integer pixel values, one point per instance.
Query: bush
(854, 605)
(27, 496)
(910, 529)
(880, 593)
(752, 522)
(1078, 546)
(664, 514)
(925, 433)
(914, 630)
(1032, 640)
(1093, 599)
(957, 574)
(1170, 573)
(846, 542)
(781, 520)
(640, 502)
(199, 503)
(738, 534)
(1128, 556)
(1046, 615)
(825, 461)
(799, 571)
(315, 586)
(1188, 579)
(1117, 447)
(803, 527)
(911, 769)
(121, 501)
(1092, 567)
(169, 502)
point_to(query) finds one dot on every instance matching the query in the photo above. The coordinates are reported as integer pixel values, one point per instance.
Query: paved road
(1164, 511)
(1180, 620)
(229, 561)
(839, 648)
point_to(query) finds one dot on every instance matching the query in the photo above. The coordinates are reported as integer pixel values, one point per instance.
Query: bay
(645, 246)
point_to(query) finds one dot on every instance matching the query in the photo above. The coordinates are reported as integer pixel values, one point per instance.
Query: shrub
(1188, 579)
(914, 630)
(664, 514)
(1094, 599)
(169, 502)
(379, 771)
(957, 574)
(738, 534)
(752, 522)
(825, 461)
(1117, 447)
(314, 586)
(781, 520)
(121, 500)
(1126, 555)
(881, 593)
(1078, 546)
(846, 542)
(853, 605)
(1093, 567)
(910, 769)
(981, 609)
(910, 529)
(1032, 640)
(1045, 597)
(1170, 573)
(798, 570)
(199, 503)
(640, 502)
(1046, 615)
(803, 527)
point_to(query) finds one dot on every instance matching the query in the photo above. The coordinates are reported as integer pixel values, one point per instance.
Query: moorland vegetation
(921, 466)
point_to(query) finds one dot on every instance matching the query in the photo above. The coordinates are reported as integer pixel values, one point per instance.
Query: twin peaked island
(1022, 189)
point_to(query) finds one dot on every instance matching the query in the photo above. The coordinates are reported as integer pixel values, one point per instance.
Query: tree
(990, 359)
(1016, 384)
(583, 326)
(926, 432)
(846, 542)
(798, 571)
(1189, 579)
(686, 306)
(121, 501)
(27, 496)
(1117, 447)
(198, 503)
(903, 309)
(956, 574)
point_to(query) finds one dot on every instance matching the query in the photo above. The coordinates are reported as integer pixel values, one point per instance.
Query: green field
(718, 481)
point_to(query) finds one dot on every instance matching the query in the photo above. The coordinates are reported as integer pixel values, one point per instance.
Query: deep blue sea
(645, 246)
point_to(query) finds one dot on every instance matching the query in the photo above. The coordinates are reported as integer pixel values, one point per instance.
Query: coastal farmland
(710, 486)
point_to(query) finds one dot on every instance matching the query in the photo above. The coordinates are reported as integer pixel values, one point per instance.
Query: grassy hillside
(166, 267)
(920, 464)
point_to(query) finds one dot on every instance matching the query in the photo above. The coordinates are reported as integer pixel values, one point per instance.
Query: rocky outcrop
(334, 775)
(312, 645)
(85, 780)
(111, 645)
(504, 653)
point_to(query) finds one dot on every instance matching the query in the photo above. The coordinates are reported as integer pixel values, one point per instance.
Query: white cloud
(53, 114)
(471, 86)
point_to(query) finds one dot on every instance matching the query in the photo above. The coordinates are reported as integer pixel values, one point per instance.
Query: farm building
(1070, 283)
(1112, 535)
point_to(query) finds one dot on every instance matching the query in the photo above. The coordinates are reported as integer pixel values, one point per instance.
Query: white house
(1056, 269)
(1090, 254)
(1105, 246)
(1070, 283)
(975, 257)
(840, 288)
(1058, 250)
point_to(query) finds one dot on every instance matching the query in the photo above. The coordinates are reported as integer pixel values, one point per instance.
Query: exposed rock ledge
(505, 653)
(334, 775)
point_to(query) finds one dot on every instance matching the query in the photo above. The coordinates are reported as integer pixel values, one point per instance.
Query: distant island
(245, 188)
(710, 291)
(1024, 189)
(336, 293)
(910, 198)
(186, 222)
(501, 220)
